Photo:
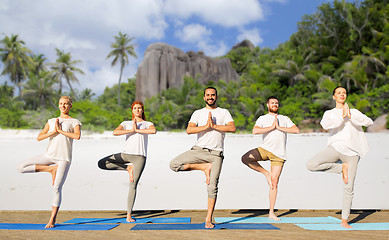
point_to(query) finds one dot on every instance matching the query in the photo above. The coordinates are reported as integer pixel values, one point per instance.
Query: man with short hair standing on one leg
(274, 128)
(210, 124)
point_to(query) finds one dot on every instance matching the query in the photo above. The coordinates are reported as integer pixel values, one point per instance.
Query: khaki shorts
(266, 155)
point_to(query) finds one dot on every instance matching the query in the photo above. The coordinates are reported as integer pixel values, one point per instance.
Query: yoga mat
(283, 220)
(336, 227)
(67, 227)
(123, 220)
(201, 226)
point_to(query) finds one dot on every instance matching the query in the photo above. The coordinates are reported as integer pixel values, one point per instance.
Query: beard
(272, 110)
(212, 104)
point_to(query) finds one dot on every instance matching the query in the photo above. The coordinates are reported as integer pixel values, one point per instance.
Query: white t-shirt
(60, 147)
(346, 135)
(275, 140)
(136, 143)
(211, 139)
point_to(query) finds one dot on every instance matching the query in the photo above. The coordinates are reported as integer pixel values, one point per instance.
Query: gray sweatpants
(202, 155)
(327, 161)
(118, 161)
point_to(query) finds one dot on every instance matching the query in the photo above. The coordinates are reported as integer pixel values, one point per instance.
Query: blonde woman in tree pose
(61, 131)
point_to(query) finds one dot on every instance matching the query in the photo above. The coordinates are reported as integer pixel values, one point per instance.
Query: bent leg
(112, 162)
(29, 166)
(251, 159)
(194, 159)
(325, 161)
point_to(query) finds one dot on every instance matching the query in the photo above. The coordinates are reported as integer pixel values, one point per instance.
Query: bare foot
(51, 224)
(130, 219)
(345, 224)
(209, 224)
(273, 216)
(345, 172)
(130, 171)
(53, 173)
(207, 171)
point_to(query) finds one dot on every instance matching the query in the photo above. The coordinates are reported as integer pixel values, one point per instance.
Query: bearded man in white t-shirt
(274, 129)
(210, 124)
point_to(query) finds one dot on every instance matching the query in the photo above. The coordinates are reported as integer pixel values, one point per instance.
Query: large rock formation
(165, 66)
(379, 124)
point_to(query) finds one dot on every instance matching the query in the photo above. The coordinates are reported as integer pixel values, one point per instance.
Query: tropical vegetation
(343, 43)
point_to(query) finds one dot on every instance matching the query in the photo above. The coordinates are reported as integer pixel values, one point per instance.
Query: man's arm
(229, 127)
(261, 130)
(293, 129)
(193, 128)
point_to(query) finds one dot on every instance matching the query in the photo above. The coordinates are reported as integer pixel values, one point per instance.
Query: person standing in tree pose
(61, 131)
(347, 143)
(133, 157)
(210, 124)
(274, 129)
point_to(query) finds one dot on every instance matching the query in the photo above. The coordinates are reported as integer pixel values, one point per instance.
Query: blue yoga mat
(283, 220)
(201, 226)
(356, 226)
(68, 227)
(123, 220)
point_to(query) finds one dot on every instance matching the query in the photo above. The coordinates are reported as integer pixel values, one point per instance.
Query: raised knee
(310, 166)
(20, 169)
(102, 164)
(245, 159)
(173, 166)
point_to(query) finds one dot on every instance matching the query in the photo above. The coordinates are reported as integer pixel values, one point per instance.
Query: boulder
(244, 43)
(379, 124)
(165, 66)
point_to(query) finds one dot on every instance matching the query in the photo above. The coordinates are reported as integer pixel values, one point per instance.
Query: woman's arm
(150, 130)
(45, 133)
(360, 119)
(331, 120)
(75, 135)
(121, 131)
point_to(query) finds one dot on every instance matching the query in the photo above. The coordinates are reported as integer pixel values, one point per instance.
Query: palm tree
(39, 89)
(121, 49)
(64, 67)
(15, 59)
(38, 63)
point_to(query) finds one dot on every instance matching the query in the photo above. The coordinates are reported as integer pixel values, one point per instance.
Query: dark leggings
(118, 161)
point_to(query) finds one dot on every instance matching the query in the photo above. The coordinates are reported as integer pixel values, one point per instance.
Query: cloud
(201, 37)
(193, 33)
(251, 34)
(86, 28)
(221, 12)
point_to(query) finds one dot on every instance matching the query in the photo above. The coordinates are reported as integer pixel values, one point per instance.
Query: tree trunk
(120, 79)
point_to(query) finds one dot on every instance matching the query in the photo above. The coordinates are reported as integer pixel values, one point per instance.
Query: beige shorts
(266, 155)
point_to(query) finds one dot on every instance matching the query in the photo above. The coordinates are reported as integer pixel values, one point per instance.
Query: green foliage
(342, 44)
(95, 118)
(108, 99)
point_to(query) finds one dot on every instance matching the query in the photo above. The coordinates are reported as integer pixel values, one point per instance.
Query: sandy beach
(90, 188)
(90, 192)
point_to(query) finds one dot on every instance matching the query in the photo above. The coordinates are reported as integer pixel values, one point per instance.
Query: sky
(87, 28)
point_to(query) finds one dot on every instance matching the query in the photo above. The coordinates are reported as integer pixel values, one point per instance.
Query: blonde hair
(67, 98)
